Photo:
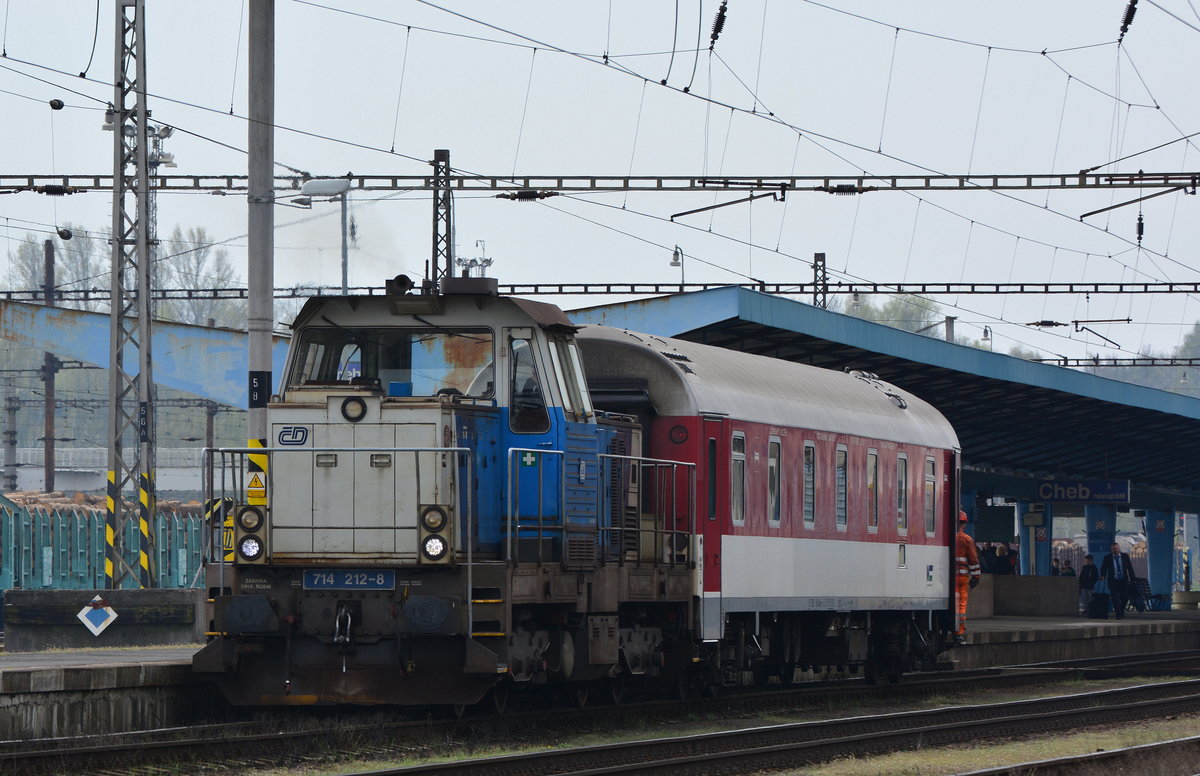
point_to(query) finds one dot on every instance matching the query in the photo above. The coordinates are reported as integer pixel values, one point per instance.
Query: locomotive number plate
(349, 579)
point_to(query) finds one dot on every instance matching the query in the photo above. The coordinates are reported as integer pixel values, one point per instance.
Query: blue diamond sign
(97, 615)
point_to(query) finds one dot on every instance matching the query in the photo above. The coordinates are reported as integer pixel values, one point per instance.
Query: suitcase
(1098, 607)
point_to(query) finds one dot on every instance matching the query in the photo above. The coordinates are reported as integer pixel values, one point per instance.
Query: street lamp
(334, 188)
(677, 261)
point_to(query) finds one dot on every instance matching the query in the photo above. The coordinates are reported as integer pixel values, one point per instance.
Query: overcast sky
(835, 88)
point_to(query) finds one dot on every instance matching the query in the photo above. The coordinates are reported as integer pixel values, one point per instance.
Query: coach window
(841, 475)
(528, 414)
(773, 486)
(872, 491)
(810, 485)
(712, 478)
(902, 494)
(737, 479)
(930, 496)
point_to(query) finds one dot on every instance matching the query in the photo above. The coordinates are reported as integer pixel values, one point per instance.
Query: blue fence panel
(66, 548)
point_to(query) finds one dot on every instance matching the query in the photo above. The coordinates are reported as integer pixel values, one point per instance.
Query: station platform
(1009, 640)
(95, 691)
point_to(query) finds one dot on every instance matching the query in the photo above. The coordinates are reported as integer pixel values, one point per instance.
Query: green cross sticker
(529, 459)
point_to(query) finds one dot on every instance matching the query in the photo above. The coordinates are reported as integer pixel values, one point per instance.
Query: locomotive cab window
(529, 414)
(902, 494)
(400, 362)
(569, 372)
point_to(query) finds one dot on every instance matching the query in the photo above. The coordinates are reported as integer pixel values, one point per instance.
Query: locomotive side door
(714, 485)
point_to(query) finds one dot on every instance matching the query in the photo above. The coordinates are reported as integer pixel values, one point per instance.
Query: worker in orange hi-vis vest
(966, 576)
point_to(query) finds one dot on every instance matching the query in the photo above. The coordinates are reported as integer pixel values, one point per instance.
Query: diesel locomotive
(465, 495)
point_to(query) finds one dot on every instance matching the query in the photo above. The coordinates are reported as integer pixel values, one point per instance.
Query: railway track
(323, 736)
(805, 743)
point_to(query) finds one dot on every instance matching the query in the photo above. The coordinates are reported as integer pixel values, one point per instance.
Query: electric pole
(49, 370)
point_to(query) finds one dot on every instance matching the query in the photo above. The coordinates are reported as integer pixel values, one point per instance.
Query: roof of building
(1013, 417)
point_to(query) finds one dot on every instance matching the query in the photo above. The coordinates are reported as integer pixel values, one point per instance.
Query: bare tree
(81, 262)
(190, 260)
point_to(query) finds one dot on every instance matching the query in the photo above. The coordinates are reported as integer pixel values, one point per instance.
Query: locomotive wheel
(787, 674)
(497, 699)
(761, 674)
(614, 690)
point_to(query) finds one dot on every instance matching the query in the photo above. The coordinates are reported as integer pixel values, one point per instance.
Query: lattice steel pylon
(131, 393)
(443, 218)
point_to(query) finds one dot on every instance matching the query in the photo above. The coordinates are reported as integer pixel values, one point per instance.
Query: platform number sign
(1160, 526)
(1101, 525)
(1040, 533)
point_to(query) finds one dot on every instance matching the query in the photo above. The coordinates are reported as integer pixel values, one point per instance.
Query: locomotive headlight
(250, 519)
(434, 547)
(434, 519)
(250, 548)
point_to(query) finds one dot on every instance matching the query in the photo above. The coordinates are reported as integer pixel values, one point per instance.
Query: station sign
(1084, 491)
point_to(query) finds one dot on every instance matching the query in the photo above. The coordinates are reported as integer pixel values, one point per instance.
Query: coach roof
(687, 378)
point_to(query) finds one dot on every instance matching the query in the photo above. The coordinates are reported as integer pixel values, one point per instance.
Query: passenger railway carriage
(465, 493)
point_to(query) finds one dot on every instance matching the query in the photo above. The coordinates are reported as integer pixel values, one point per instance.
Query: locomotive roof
(382, 310)
(687, 378)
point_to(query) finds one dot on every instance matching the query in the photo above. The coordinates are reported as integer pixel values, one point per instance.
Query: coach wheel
(787, 674)
(761, 674)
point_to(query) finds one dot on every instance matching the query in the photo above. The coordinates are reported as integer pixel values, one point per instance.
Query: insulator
(528, 195)
(844, 190)
(54, 190)
(1141, 226)
(718, 25)
(1127, 20)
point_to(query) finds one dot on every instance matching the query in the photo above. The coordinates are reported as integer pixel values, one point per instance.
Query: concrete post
(1160, 550)
(260, 274)
(1101, 520)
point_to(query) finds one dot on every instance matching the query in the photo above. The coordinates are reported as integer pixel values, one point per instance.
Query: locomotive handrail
(465, 452)
(659, 464)
(514, 519)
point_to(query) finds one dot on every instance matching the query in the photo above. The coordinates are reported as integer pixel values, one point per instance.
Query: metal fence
(63, 548)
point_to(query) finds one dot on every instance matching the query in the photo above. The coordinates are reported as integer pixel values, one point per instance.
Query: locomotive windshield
(403, 362)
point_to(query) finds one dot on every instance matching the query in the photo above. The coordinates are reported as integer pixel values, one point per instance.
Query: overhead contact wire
(887, 94)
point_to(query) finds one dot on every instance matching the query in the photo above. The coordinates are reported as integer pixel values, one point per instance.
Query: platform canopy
(1018, 421)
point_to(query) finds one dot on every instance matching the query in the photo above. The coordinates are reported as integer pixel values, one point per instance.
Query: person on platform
(1088, 576)
(1067, 569)
(966, 563)
(1118, 572)
(1000, 562)
(1054, 569)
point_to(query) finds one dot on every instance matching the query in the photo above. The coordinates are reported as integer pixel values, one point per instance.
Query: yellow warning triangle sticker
(256, 481)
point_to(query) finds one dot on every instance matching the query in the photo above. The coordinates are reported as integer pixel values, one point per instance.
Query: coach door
(714, 476)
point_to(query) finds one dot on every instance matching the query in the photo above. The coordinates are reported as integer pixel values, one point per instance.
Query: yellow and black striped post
(219, 512)
(146, 539)
(111, 547)
(256, 474)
